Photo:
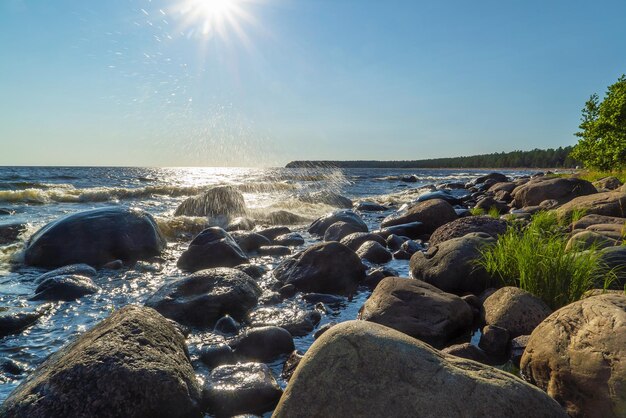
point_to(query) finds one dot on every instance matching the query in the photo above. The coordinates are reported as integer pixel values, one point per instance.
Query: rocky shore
(450, 340)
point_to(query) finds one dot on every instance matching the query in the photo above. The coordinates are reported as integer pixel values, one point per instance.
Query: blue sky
(136, 82)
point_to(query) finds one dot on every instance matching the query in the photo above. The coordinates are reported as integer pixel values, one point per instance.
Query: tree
(602, 143)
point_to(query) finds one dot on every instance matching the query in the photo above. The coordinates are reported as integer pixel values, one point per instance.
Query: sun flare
(211, 17)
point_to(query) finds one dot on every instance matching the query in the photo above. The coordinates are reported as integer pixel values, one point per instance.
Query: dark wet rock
(73, 269)
(10, 233)
(114, 265)
(374, 276)
(411, 247)
(328, 267)
(340, 230)
(213, 247)
(615, 258)
(517, 348)
(488, 204)
(13, 321)
(411, 230)
(606, 203)
(227, 325)
(431, 213)
(292, 239)
(291, 364)
(417, 309)
(401, 255)
(288, 291)
(494, 177)
(270, 298)
(463, 226)
(249, 241)
(10, 366)
(608, 183)
(473, 301)
(241, 224)
(394, 242)
(274, 250)
(328, 198)
(97, 237)
(314, 298)
(361, 369)
(274, 232)
(467, 351)
(264, 344)
(323, 329)
(215, 355)
(503, 196)
(370, 207)
(409, 179)
(218, 201)
(65, 288)
(6, 212)
(452, 186)
(373, 252)
(241, 388)
(283, 217)
(577, 355)
(451, 265)
(494, 341)
(298, 322)
(135, 361)
(543, 188)
(504, 186)
(256, 271)
(515, 310)
(319, 226)
(204, 297)
(356, 239)
(441, 195)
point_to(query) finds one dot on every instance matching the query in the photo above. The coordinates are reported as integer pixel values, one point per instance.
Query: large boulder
(95, 237)
(591, 220)
(320, 225)
(340, 230)
(355, 240)
(608, 183)
(550, 188)
(264, 344)
(463, 226)
(65, 288)
(578, 355)
(13, 321)
(213, 247)
(431, 213)
(373, 252)
(133, 363)
(515, 310)
(607, 203)
(361, 369)
(328, 267)
(615, 258)
(417, 309)
(206, 296)
(451, 265)
(219, 201)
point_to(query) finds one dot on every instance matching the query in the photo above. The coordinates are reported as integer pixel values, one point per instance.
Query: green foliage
(602, 143)
(493, 212)
(534, 258)
(595, 175)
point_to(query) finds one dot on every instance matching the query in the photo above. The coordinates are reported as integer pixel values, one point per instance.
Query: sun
(213, 17)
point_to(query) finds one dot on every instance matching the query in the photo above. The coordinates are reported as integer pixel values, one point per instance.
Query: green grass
(595, 175)
(534, 258)
(493, 212)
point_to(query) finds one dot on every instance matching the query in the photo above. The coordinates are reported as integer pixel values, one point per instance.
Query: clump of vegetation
(595, 175)
(534, 258)
(492, 212)
(602, 144)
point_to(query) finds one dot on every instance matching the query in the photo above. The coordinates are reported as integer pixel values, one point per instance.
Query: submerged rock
(218, 201)
(328, 267)
(78, 269)
(361, 369)
(298, 322)
(95, 237)
(417, 309)
(578, 355)
(213, 247)
(204, 297)
(135, 361)
(65, 288)
(12, 321)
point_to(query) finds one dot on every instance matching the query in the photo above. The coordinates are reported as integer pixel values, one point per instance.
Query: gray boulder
(431, 213)
(320, 225)
(213, 247)
(515, 310)
(463, 226)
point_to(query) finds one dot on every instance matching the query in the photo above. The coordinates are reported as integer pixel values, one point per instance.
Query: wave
(181, 226)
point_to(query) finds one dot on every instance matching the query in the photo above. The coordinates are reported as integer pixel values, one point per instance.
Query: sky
(264, 82)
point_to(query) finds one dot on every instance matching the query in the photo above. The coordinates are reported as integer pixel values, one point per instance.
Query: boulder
(339, 230)
(467, 351)
(544, 188)
(218, 201)
(292, 239)
(373, 252)
(283, 217)
(578, 355)
(417, 309)
(65, 288)
(361, 369)
(463, 226)
(264, 344)
(255, 271)
(78, 269)
(451, 265)
(9, 233)
(14, 321)
(517, 348)
(607, 204)
(135, 361)
(297, 321)
(493, 177)
(374, 276)
(213, 247)
(584, 240)
(615, 258)
(442, 195)
(215, 355)
(274, 251)
(328, 267)
(273, 232)
(240, 389)
(494, 340)
(291, 364)
(411, 230)
(204, 297)
(515, 310)
(503, 186)
(355, 240)
(488, 203)
(226, 325)
(370, 207)
(249, 241)
(431, 213)
(240, 224)
(589, 220)
(608, 183)
(95, 237)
